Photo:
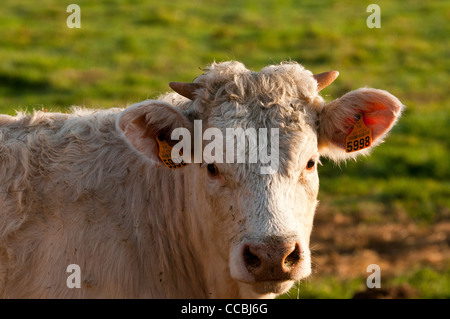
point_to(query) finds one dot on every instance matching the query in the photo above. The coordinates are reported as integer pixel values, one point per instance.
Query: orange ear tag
(165, 154)
(359, 138)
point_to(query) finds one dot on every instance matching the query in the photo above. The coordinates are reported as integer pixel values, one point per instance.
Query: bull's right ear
(377, 111)
(141, 123)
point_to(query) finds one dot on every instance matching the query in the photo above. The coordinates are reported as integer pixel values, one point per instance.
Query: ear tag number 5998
(359, 138)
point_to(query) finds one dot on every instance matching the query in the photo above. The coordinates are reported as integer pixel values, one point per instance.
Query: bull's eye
(212, 169)
(310, 165)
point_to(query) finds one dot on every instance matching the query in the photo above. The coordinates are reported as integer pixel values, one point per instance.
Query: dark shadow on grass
(15, 83)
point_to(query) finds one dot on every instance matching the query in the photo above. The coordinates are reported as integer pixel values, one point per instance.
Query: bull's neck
(171, 254)
(183, 254)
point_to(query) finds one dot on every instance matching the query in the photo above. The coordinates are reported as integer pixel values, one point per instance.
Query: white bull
(89, 189)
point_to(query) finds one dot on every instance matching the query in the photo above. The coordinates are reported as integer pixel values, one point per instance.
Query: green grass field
(128, 51)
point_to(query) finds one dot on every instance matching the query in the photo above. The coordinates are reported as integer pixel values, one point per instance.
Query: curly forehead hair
(278, 95)
(273, 85)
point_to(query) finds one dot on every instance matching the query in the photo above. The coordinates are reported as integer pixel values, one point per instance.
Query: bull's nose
(272, 262)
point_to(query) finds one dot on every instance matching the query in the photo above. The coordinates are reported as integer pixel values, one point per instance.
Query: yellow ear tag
(165, 154)
(359, 138)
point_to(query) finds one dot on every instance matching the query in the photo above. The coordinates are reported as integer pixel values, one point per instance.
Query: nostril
(293, 258)
(251, 260)
(272, 261)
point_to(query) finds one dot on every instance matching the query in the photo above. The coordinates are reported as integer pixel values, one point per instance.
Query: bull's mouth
(271, 287)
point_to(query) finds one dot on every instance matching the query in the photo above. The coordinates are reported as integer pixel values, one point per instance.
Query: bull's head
(261, 223)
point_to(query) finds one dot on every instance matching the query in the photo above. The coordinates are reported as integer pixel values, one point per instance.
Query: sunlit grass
(128, 51)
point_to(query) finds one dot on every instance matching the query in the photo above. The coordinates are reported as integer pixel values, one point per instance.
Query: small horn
(185, 89)
(325, 79)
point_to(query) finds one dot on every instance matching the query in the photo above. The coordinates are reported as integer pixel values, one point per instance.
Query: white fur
(85, 188)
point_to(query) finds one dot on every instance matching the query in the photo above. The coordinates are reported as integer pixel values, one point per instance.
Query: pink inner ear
(379, 110)
(379, 118)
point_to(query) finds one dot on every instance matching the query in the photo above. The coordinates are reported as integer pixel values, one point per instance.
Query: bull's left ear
(143, 122)
(340, 120)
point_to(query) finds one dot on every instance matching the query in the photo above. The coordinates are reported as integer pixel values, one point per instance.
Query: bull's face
(262, 210)
(259, 199)
(265, 220)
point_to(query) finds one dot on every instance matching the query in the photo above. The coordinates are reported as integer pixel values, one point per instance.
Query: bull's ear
(347, 120)
(141, 123)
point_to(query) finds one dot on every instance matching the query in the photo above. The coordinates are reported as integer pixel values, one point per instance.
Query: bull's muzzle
(272, 261)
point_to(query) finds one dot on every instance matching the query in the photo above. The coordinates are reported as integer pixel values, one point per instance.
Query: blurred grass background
(128, 51)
